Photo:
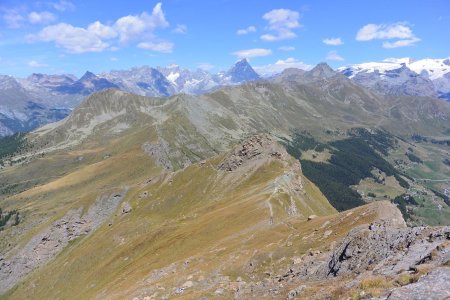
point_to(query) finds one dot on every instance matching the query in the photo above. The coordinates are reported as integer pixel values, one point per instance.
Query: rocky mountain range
(41, 99)
(426, 77)
(307, 185)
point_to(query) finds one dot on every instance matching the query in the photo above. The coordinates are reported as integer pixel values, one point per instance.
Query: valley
(159, 150)
(249, 191)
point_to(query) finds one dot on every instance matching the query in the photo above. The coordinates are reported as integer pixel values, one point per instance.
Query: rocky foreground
(383, 260)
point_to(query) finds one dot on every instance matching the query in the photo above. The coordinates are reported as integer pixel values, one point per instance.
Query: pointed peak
(242, 71)
(242, 61)
(323, 66)
(322, 70)
(88, 75)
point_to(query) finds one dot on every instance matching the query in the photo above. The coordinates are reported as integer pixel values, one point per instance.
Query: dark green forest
(352, 159)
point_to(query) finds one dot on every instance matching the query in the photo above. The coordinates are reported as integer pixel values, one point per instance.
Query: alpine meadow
(224, 150)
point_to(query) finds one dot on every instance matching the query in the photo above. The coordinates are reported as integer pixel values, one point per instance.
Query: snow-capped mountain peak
(432, 68)
(425, 77)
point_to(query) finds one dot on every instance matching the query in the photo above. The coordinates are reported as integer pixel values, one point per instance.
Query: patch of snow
(172, 77)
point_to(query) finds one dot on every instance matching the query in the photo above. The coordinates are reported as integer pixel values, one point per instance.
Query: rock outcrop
(160, 153)
(383, 249)
(252, 149)
(389, 251)
(434, 285)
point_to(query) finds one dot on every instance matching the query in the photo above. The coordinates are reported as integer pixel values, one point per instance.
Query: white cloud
(280, 65)
(249, 53)
(401, 31)
(281, 24)
(102, 31)
(133, 27)
(63, 5)
(333, 41)
(20, 16)
(97, 37)
(206, 66)
(43, 17)
(163, 46)
(73, 39)
(384, 31)
(13, 18)
(333, 55)
(286, 48)
(181, 29)
(36, 64)
(113, 59)
(401, 43)
(246, 30)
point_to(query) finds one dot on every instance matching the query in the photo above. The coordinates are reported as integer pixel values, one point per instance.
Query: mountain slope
(241, 72)
(86, 85)
(193, 196)
(143, 81)
(426, 77)
(189, 82)
(312, 102)
(197, 200)
(20, 111)
(61, 93)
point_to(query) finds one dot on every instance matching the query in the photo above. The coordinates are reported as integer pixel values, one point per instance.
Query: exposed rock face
(242, 72)
(254, 148)
(47, 244)
(434, 285)
(159, 151)
(385, 248)
(388, 250)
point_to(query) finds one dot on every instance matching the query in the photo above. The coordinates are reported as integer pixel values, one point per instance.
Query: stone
(219, 292)
(296, 260)
(296, 292)
(143, 195)
(434, 285)
(311, 217)
(325, 224)
(327, 233)
(187, 284)
(126, 208)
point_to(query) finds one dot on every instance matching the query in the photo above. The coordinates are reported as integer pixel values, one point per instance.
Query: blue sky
(62, 36)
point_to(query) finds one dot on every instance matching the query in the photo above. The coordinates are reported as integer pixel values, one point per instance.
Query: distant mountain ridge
(404, 76)
(52, 97)
(40, 99)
